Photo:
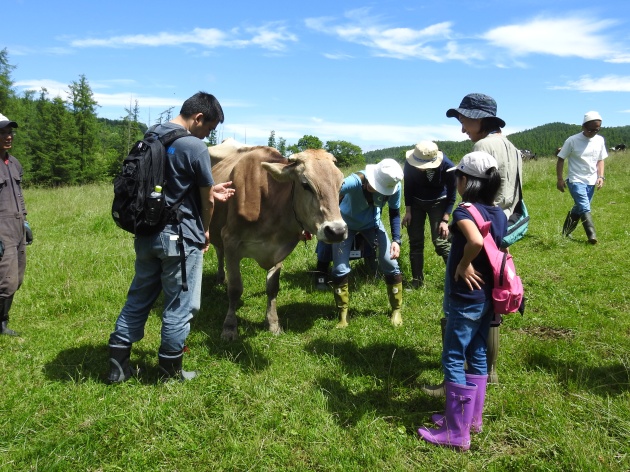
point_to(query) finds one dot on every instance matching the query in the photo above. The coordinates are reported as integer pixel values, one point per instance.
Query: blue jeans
(158, 268)
(341, 252)
(582, 195)
(465, 339)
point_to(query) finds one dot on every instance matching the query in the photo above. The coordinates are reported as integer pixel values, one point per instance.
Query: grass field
(317, 398)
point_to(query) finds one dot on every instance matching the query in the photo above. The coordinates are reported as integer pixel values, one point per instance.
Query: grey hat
(4, 122)
(476, 106)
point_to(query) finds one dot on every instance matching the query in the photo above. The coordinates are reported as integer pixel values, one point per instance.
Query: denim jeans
(419, 213)
(341, 252)
(582, 195)
(158, 268)
(465, 339)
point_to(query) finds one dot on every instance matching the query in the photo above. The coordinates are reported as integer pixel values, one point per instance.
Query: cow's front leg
(273, 286)
(234, 290)
(220, 265)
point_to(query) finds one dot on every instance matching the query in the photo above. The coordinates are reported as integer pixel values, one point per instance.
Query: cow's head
(315, 195)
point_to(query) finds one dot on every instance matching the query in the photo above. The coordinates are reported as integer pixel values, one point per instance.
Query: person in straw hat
(429, 191)
(364, 194)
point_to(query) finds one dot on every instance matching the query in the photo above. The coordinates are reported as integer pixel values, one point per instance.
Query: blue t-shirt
(459, 290)
(187, 169)
(357, 212)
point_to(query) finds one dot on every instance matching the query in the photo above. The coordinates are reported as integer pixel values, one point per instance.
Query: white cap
(384, 176)
(476, 164)
(590, 116)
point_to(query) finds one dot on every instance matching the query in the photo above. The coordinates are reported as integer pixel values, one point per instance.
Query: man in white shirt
(585, 152)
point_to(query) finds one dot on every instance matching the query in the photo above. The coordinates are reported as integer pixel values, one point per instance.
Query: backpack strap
(482, 224)
(166, 140)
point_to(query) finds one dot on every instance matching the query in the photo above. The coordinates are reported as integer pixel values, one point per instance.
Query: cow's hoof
(229, 335)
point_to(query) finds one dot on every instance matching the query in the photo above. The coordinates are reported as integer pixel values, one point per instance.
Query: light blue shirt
(356, 211)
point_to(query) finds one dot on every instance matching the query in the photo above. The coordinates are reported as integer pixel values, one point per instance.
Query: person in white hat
(364, 194)
(13, 230)
(585, 152)
(429, 192)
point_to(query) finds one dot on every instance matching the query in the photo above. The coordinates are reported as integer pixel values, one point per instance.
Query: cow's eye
(306, 186)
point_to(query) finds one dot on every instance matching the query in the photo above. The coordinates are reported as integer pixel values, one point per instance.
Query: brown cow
(277, 202)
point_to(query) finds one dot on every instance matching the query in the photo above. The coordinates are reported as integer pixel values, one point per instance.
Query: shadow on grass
(375, 379)
(600, 380)
(91, 363)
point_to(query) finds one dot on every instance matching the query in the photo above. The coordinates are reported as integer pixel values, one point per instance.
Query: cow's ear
(278, 171)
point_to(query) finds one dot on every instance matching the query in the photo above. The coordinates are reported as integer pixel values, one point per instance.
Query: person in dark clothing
(12, 225)
(430, 191)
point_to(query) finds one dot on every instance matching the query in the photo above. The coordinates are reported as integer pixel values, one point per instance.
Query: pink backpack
(507, 294)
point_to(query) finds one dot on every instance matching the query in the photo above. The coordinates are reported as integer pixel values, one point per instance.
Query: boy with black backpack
(169, 255)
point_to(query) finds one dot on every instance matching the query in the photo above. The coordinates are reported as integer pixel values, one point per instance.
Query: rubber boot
(589, 227)
(570, 223)
(417, 270)
(119, 354)
(170, 366)
(5, 306)
(480, 400)
(460, 405)
(492, 353)
(395, 293)
(437, 390)
(321, 276)
(342, 297)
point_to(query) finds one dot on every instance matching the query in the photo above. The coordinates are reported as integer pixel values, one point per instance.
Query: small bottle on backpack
(154, 206)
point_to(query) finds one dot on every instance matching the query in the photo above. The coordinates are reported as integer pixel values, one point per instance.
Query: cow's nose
(336, 233)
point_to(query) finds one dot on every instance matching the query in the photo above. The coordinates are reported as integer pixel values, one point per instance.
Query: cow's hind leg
(234, 290)
(273, 286)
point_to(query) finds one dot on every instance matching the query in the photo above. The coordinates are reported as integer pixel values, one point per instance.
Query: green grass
(316, 398)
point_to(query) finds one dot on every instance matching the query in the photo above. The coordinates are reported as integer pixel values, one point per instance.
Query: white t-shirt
(583, 155)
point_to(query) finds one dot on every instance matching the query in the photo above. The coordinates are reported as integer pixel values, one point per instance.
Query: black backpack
(142, 170)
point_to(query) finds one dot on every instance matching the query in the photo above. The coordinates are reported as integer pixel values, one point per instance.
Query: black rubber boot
(437, 390)
(589, 227)
(170, 366)
(416, 261)
(5, 306)
(120, 370)
(570, 223)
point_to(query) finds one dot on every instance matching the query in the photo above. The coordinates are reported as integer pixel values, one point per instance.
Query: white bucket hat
(385, 176)
(425, 155)
(590, 116)
(476, 164)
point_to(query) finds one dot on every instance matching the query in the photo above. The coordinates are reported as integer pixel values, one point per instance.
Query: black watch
(397, 241)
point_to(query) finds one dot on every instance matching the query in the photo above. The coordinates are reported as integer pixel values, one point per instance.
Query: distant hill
(542, 140)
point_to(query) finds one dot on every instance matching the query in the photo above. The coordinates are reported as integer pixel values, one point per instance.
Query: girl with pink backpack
(468, 303)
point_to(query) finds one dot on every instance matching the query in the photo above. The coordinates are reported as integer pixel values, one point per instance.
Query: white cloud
(271, 36)
(401, 43)
(578, 36)
(609, 83)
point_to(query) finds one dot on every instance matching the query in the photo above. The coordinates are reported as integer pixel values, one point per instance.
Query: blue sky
(374, 73)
